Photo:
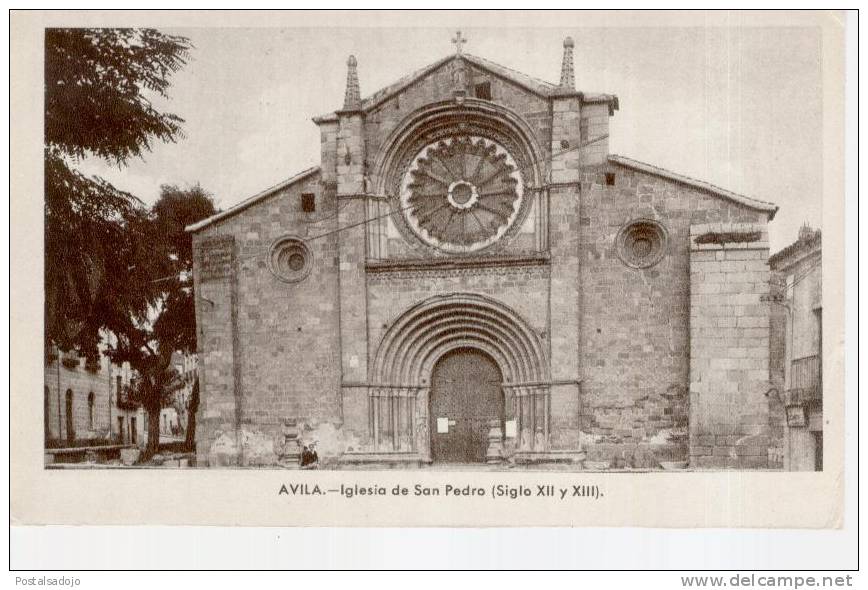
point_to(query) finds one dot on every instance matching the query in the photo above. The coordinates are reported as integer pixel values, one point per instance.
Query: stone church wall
(617, 332)
(635, 349)
(439, 86)
(269, 348)
(524, 289)
(381, 121)
(729, 346)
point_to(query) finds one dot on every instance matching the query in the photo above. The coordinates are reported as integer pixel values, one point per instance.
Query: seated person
(309, 458)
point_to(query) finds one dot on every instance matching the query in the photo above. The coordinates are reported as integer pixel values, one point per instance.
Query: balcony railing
(124, 401)
(806, 379)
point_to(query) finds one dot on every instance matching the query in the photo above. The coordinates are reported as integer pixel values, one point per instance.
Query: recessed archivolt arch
(431, 120)
(430, 329)
(469, 328)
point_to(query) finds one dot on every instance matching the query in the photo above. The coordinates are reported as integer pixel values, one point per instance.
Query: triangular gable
(764, 206)
(535, 85)
(193, 228)
(802, 246)
(529, 83)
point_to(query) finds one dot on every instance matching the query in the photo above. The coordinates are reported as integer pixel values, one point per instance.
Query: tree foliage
(97, 88)
(86, 244)
(170, 322)
(175, 210)
(110, 263)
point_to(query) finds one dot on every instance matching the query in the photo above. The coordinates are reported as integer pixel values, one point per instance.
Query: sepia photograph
(430, 269)
(474, 273)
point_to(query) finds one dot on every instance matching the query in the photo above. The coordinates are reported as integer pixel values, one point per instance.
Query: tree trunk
(192, 408)
(153, 432)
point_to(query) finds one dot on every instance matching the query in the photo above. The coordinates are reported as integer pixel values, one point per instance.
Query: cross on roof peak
(458, 40)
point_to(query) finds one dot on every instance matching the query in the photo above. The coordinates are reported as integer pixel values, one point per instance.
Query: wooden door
(466, 395)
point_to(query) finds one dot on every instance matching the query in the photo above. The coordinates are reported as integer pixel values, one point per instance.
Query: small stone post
(290, 452)
(494, 454)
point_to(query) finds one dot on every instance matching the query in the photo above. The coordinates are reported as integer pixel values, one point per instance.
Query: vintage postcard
(447, 268)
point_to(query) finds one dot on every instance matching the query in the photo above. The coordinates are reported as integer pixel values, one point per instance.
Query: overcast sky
(740, 108)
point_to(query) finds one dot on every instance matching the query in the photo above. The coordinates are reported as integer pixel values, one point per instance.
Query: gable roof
(535, 85)
(805, 244)
(764, 206)
(193, 228)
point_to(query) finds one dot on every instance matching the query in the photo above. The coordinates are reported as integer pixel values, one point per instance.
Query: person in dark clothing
(309, 458)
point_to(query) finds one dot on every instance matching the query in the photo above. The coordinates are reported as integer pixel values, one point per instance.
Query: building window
(610, 179)
(308, 202)
(121, 430)
(290, 260)
(641, 243)
(90, 411)
(483, 91)
(134, 435)
(457, 173)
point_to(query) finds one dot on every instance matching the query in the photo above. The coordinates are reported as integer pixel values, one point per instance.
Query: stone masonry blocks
(729, 347)
(637, 326)
(634, 353)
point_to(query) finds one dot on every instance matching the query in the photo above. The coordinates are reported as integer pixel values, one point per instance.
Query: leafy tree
(165, 252)
(100, 259)
(175, 327)
(98, 89)
(192, 408)
(157, 379)
(96, 86)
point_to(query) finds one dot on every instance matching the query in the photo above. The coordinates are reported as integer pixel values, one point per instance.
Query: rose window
(290, 259)
(641, 243)
(462, 194)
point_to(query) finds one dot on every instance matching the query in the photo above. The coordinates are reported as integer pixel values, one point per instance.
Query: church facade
(469, 276)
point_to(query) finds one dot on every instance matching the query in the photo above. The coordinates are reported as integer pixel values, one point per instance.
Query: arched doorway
(401, 417)
(466, 395)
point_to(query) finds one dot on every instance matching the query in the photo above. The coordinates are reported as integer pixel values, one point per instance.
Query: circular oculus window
(641, 243)
(290, 260)
(462, 194)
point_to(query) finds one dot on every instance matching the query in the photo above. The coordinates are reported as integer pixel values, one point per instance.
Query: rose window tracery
(462, 194)
(641, 243)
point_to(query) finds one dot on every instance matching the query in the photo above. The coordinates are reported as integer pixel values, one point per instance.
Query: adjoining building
(88, 402)
(470, 276)
(797, 349)
(173, 417)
